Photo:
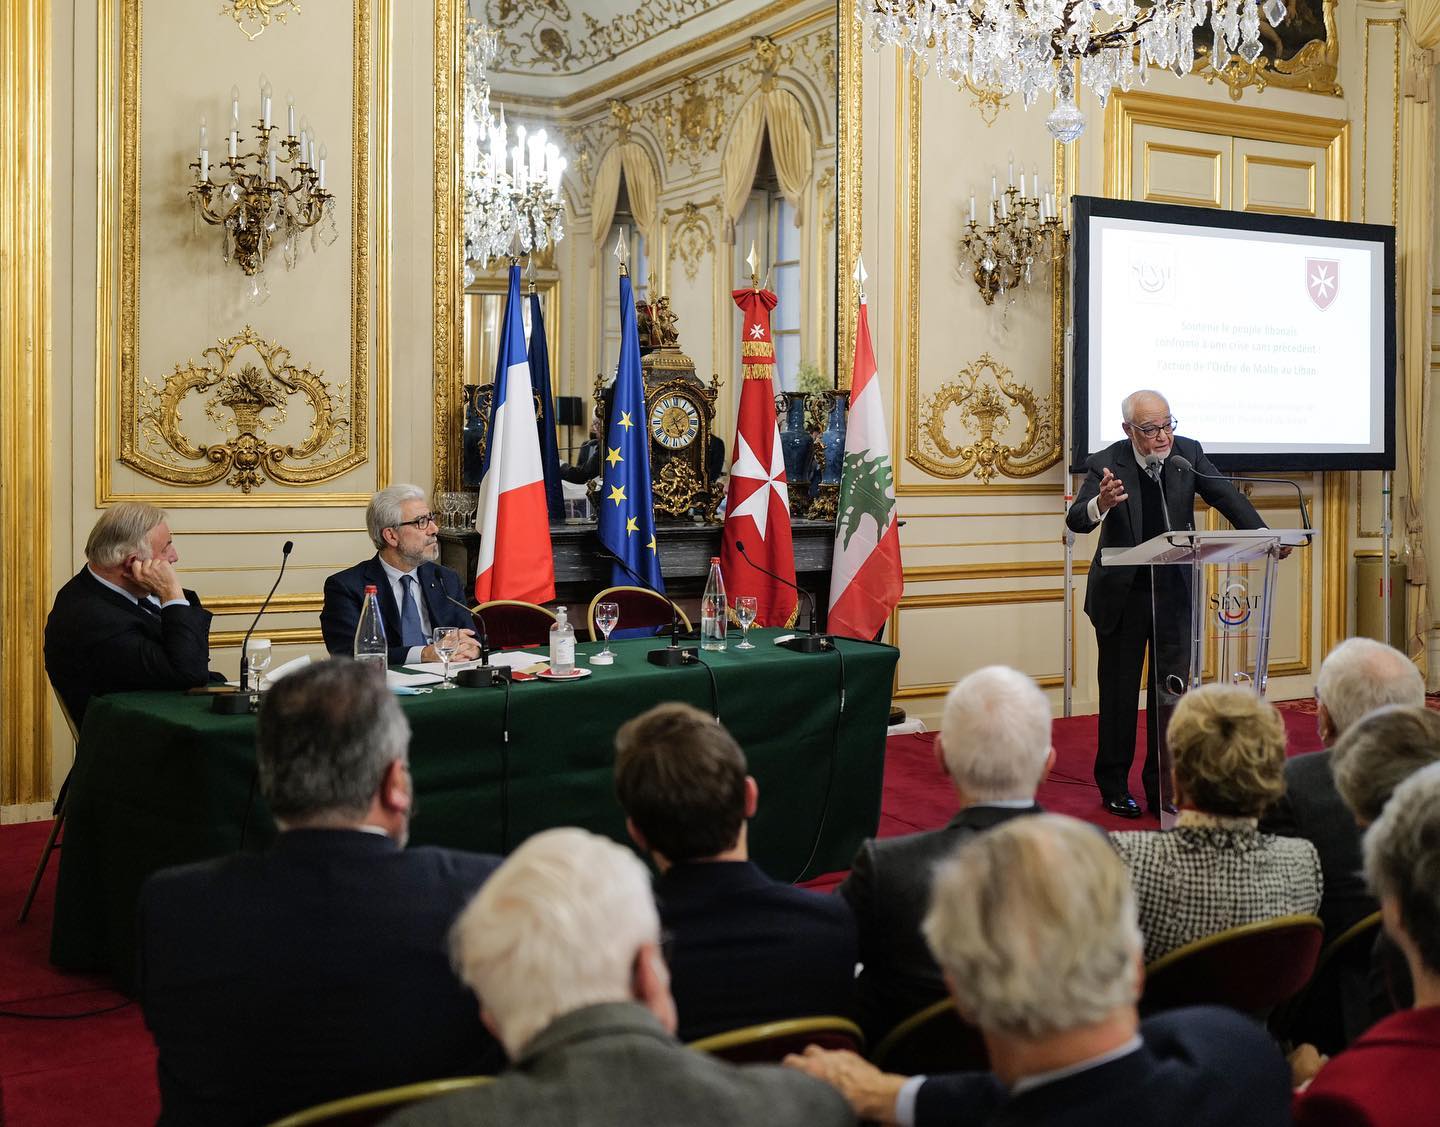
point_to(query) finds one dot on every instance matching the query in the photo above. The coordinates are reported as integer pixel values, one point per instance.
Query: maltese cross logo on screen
(1322, 279)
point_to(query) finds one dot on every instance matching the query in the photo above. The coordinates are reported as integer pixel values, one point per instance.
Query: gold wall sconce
(1024, 234)
(275, 192)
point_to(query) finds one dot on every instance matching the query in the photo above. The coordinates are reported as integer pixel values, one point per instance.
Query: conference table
(160, 780)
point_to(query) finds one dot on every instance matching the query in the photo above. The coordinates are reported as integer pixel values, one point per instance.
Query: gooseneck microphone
(482, 675)
(1180, 462)
(811, 643)
(674, 654)
(243, 699)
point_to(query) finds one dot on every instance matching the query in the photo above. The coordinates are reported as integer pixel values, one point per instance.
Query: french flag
(513, 519)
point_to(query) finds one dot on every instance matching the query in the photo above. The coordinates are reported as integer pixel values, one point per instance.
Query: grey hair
(556, 927)
(326, 735)
(1035, 923)
(1402, 860)
(1360, 675)
(1129, 403)
(121, 531)
(995, 734)
(384, 509)
(1380, 751)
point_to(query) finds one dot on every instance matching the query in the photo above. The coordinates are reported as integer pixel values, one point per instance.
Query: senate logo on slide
(1322, 279)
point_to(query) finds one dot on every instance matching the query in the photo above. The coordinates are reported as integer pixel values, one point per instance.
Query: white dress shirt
(100, 579)
(414, 653)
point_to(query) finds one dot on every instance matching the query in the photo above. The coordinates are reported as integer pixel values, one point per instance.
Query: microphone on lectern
(1181, 462)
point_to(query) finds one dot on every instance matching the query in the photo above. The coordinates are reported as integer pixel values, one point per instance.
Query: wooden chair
(771, 1041)
(1252, 968)
(932, 1041)
(52, 842)
(371, 1107)
(511, 622)
(642, 612)
(1324, 1012)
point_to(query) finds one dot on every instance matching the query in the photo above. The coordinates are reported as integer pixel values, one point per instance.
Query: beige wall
(984, 561)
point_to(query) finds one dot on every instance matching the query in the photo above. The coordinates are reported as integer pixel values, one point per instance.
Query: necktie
(148, 605)
(411, 632)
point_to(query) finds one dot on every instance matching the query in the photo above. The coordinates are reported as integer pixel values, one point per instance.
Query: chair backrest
(771, 1041)
(641, 612)
(1251, 968)
(511, 622)
(371, 1107)
(69, 720)
(1335, 1005)
(931, 1041)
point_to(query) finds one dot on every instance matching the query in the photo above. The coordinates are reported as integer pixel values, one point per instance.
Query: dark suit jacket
(345, 595)
(1107, 587)
(746, 949)
(1312, 808)
(317, 970)
(97, 642)
(611, 1064)
(1385, 1079)
(1198, 1067)
(888, 889)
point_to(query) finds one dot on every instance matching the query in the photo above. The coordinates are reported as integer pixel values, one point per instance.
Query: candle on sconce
(994, 190)
(203, 144)
(290, 115)
(270, 170)
(204, 165)
(972, 207)
(322, 168)
(992, 213)
(1012, 170)
(1004, 207)
(1022, 183)
(234, 140)
(265, 106)
(304, 148)
(234, 107)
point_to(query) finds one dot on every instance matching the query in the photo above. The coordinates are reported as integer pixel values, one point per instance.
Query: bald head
(1143, 402)
(1360, 675)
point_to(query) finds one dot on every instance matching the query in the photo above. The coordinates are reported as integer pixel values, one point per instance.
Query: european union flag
(545, 414)
(627, 513)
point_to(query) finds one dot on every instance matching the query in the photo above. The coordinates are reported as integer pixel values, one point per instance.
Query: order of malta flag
(865, 575)
(512, 519)
(757, 507)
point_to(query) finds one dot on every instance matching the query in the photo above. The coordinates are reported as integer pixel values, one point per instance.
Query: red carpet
(101, 1069)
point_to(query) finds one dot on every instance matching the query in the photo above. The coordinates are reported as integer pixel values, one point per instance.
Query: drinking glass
(470, 504)
(607, 615)
(745, 610)
(450, 507)
(258, 654)
(446, 640)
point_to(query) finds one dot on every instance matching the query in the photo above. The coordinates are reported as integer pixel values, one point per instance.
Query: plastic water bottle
(370, 646)
(562, 645)
(712, 609)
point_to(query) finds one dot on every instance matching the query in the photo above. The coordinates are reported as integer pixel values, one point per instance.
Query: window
(639, 264)
(768, 222)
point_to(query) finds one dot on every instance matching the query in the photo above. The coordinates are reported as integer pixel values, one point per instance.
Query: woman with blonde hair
(1215, 870)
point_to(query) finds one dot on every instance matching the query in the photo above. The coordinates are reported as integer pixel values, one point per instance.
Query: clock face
(674, 421)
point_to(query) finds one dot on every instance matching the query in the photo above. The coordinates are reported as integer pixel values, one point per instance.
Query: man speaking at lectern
(1132, 495)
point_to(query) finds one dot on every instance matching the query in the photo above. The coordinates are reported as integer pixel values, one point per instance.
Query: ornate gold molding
(849, 152)
(447, 285)
(258, 403)
(119, 230)
(1313, 67)
(693, 238)
(979, 392)
(25, 431)
(259, 14)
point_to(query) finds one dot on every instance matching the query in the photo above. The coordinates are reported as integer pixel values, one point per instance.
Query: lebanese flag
(757, 506)
(865, 575)
(513, 519)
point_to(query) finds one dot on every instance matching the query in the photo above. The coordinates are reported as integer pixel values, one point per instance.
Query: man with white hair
(1133, 492)
(1035, 926)
(562, 949)
(994, 743)
(1388, 1076)
(416, 593)
(124, 622)
(1356, 677)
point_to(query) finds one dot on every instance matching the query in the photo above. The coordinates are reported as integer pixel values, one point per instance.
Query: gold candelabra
(276, 191)
(1024, 234)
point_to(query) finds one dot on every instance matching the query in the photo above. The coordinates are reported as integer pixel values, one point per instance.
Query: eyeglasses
(1150, 430)
(424, 520)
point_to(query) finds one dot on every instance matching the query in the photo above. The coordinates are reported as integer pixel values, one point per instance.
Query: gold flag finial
(753, 261)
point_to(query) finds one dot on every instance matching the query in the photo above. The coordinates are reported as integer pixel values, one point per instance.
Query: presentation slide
(1269, 344)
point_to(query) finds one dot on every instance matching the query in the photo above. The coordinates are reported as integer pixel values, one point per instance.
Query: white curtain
(642, 183)
(791, 145)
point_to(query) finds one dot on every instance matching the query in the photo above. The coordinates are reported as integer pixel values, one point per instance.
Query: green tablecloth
(160, 780)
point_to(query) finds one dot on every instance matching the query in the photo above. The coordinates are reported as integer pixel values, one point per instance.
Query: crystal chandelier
(505, 207)
(1029, 47)
(253, 201)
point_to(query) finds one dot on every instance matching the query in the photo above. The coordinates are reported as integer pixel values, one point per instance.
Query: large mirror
(692, 131)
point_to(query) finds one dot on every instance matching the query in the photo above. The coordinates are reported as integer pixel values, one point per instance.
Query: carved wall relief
(985, 422)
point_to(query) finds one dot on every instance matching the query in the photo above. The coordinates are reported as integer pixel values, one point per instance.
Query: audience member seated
(415, 592)
(1357, 676)
(273, 981)
(1388, 1077)
(124, 622)
(562, 949)
(1215, 870)
(994, 742)
(742, 948)
(1034, 923)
